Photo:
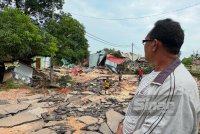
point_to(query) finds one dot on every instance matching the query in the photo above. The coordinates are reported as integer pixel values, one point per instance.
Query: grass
(12, 84)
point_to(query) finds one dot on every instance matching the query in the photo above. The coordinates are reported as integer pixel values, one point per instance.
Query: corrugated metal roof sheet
(93, 59)
(115, 59)
(24, 70)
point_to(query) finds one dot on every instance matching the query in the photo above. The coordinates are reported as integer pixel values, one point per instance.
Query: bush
(147, 70)
(12, 84)
(195, 74)
(64, 80)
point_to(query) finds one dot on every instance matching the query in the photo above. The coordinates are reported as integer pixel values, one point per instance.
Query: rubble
(44, 131)
(113, 119)
(88, 120)
(88, 104)
(105, 129)
(3, 102)
(18, 119)
(89, 108)
(13, 108)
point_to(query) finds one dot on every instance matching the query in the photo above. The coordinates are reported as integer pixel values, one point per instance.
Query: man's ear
(155, 45)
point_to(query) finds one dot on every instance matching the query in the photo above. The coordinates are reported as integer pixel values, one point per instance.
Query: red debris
(65, 90)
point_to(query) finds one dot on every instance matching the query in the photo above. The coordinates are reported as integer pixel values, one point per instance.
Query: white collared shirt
(179, 89)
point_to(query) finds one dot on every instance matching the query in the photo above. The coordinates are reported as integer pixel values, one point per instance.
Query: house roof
(131, 56)
(114, 59)
(197, 62)
(142, 59)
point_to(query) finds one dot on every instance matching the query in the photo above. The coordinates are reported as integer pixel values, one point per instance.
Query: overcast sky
(123, 22)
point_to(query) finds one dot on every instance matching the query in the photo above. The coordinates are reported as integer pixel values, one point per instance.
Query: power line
(100, 41)
(104, 41)
(140, 17)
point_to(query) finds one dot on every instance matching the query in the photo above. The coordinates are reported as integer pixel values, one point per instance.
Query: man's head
(166, 34)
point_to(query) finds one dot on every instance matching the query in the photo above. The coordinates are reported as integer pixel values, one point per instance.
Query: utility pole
(51, 60)
(132, 52)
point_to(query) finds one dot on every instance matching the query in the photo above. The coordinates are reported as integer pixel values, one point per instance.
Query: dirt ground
(13, 94)
(77, 125)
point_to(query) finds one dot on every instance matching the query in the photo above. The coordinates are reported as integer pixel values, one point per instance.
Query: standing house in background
(195, 65)
(41, 62)
(131, 56)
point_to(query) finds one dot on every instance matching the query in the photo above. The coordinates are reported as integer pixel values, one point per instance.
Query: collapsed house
(102, 59)
(129, 60)
(97, 59)
(114, 63)
(24, 73)
(6, 70)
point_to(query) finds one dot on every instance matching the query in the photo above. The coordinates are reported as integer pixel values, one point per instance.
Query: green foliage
(135, 72)
(195, 56)
(187, 61)
(116, 53)
(70, 34)
(64, 80)
(48, 43)
(20, 38)
(43, 7)
(196, 74)
(12, 84)
(41, 10)
(147, 70)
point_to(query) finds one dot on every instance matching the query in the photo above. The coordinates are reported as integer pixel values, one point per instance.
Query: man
(106, 85)
(140, 74)
(120, 76)
(167, 100)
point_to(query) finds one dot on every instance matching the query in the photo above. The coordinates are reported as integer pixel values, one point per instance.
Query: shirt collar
(159, 80)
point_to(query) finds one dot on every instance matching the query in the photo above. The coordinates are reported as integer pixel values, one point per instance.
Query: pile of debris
(97, 85)
(99, 113)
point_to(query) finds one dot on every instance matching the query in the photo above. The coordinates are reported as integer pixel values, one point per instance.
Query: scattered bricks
(50, 117)
(3, 102)
(93, 127)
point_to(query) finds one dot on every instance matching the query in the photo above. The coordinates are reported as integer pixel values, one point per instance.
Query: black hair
(170, 33)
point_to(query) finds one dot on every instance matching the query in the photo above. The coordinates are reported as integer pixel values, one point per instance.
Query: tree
(187, 61)
(70, 33)
(40, 11)
(116, 53)
(195, 56)
(20, 39)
